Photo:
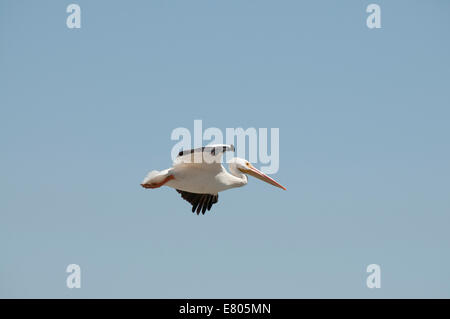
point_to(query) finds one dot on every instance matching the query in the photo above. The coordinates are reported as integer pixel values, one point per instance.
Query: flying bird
(199, 176)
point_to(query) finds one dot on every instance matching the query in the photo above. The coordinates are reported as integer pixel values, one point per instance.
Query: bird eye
(248, 164)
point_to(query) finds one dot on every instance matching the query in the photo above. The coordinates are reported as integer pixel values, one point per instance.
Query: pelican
(199, 176)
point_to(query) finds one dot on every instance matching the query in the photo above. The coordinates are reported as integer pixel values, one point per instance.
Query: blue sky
(364, 148)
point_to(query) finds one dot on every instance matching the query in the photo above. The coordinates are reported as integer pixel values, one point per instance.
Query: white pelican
(199, 176)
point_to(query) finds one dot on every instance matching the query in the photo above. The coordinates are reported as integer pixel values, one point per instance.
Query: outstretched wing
(211, 154)
(201, 202)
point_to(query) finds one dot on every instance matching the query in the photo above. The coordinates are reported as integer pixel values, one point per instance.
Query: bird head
(246, 167)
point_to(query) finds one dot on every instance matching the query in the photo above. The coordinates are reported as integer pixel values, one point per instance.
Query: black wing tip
(213, 149)
(200, 202)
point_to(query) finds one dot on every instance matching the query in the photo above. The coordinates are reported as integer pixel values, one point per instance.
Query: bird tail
(155, 177)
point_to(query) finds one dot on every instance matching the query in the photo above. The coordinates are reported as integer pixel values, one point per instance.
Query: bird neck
(241, 177)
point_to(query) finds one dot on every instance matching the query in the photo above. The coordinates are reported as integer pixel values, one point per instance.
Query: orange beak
(260, 175)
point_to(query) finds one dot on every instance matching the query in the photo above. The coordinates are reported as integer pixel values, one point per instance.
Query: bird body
(199, 176)
(198, 179)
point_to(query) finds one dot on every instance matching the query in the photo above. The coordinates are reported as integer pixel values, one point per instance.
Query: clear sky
(364, 148)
